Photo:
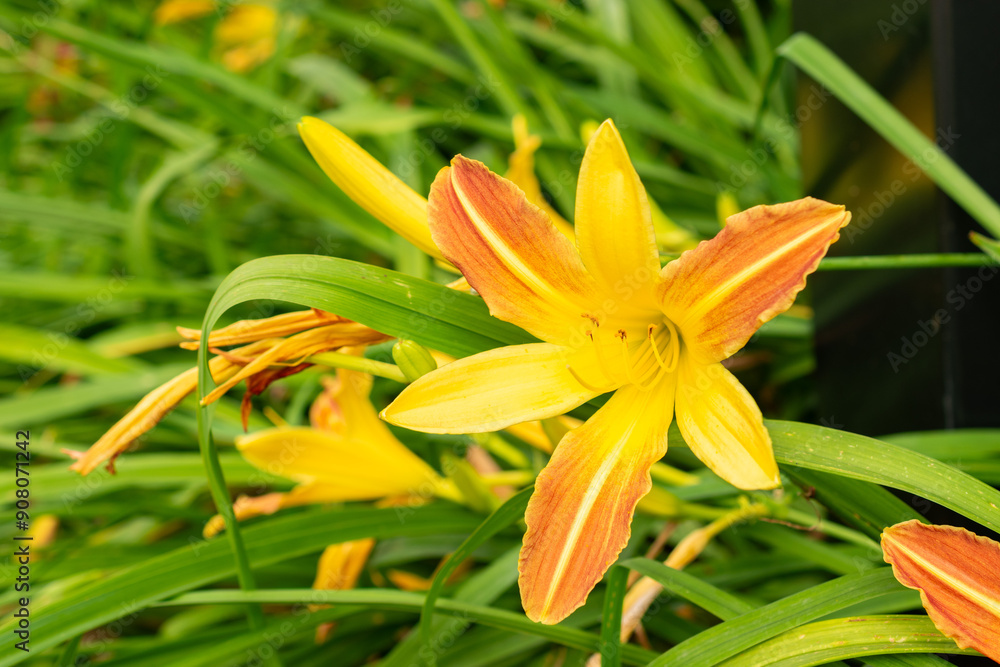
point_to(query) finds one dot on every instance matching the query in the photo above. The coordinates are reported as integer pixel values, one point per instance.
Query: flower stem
(355, 363)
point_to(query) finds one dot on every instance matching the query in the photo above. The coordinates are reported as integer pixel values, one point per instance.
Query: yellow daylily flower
(958, 575)
(395, 204)
(611, 321)
(246, 36)
(347, 454)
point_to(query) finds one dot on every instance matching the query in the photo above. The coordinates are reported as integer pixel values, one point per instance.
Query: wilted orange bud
(958, 576)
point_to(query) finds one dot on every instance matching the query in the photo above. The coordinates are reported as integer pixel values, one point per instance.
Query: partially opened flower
(958, 575)
(388, 199)
(612, 321)
(347, 454)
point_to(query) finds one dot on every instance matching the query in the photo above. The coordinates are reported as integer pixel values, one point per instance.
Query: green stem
(904, 261)
(355, 363)
(217, 481)
(672, 476)
(916, 261)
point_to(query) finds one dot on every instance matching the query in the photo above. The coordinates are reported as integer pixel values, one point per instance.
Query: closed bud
(413, 359)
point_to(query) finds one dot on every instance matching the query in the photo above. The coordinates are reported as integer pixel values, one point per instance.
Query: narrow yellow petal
(372, 186)
(579, 517)
(331, 467)
(494, 389)
(723, 426)
(341, 565)
(614, 227)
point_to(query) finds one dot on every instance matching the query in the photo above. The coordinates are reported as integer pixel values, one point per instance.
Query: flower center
(633, 359)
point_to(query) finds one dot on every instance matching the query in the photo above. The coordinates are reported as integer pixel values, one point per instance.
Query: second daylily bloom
(347, 454)
(612, 321)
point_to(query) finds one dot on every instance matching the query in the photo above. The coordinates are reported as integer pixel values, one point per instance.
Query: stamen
(600, 356)
(583, 382)
(675, 346)
(652, 343)
(628, 361)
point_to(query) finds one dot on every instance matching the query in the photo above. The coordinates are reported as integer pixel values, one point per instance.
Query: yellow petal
(719, 293)
(247, 24)
(341, 565)
(494, 389)
(245, 57)
(247, 507)
(543, 436)
(614, 229)
(958, 576)
(333, 468)
(371, 186)
(175, 11)
(521, 172)
(723, 426)
(509, 251)
(579, 517)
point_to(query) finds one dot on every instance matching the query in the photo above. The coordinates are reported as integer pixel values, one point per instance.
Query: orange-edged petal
(494, 389)
(722, 291)
(958, 576)
(614, 228)
(371, 186)
(579, 517)
(510, 252)
(723, 426)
